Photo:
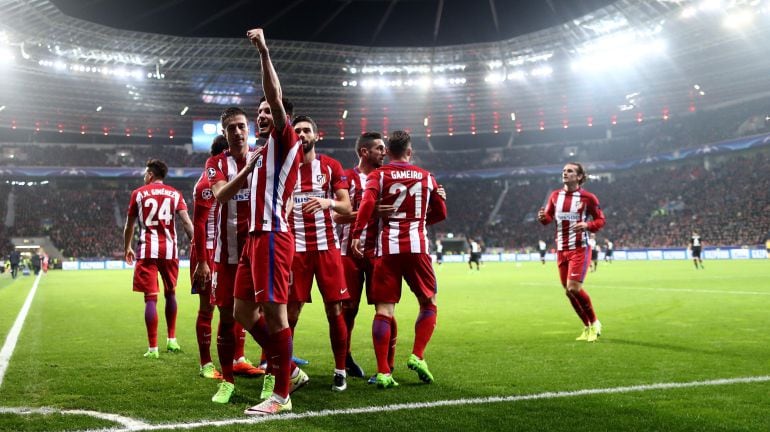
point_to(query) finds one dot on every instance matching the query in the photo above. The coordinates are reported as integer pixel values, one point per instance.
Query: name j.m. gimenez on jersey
(398, 175)
(155, 192)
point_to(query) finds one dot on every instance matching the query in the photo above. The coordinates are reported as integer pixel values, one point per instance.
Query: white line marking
(685, 290)
(131, 425)
(13, 336)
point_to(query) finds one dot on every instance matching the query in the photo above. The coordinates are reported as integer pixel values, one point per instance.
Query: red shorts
(264, 267)
(326, 266)
(573, 264)
(222, 284)
(357, 272)
(416, 269)
(196, 288)
(146, 275)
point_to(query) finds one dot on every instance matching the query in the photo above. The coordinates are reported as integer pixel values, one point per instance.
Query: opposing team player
(403, 252)
(321, 189)
(229, 184)
(696, 246)
(370, 149)
(155, 207)
(570, 207)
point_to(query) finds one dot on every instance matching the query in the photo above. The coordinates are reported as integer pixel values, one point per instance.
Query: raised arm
(270, 83)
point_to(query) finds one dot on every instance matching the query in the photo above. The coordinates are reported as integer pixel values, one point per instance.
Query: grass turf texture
(507, 330)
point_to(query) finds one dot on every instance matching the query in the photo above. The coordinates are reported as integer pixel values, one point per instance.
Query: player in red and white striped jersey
(370, 149)
(205, 211)
(228, 177)
(154, 207)
(263, 271)
(321, 189)
(570, 207)
(403, 251)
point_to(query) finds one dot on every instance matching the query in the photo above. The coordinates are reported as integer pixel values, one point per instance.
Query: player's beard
(307, 148)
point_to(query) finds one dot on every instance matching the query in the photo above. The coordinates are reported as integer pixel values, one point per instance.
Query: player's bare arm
(270, 83)
(186, 223)
(340, 205)
(223, 191)
(128, 236)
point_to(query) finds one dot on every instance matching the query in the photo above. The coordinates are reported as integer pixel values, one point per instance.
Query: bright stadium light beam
(184, 110)
(738, 20)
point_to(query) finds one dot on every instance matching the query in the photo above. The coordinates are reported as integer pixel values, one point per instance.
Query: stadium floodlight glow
(99, 108)
(618, 57)
(688, 12)
(495, 64)
(518, 75)
(710, 5)
(494, 78)
(425, 122)
(184, 111)
(344, 114)
(696, 87)
(542, 71)
(513, 116)
(6, 56)
(739, 19)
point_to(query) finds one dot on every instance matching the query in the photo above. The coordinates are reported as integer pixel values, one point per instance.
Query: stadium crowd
(657, 206)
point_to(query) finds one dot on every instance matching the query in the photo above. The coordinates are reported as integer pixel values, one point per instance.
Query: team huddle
(269, 220)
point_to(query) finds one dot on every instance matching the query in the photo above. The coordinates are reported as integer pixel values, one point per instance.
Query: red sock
(588, 308)
(392, 343)
(350, 321)
(240, 340)
(259, 332)
(338, 334)
(578, 309)
(203, 332)
(151, 321)
(225, 348)
(280, 361)
(423, 329)
(170, 310)
(381, 336)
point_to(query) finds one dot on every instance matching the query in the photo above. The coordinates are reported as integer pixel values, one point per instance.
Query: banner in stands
(618, 255)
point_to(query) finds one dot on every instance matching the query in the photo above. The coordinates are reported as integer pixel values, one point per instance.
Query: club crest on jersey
(259, 161)
(320, 178)
(211, 172)
(579, 206)
(207, 194)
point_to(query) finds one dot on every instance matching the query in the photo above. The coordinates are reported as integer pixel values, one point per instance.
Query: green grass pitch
(505, 331)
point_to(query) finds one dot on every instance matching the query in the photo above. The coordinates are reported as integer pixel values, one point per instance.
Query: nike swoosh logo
(575, 274)
(343, 291)
(258, 292)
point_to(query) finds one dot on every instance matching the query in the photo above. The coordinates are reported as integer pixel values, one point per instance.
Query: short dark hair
(229, 113)
(218, 145)
(287, 105)
(366, 140)
(580, 171)
(398, 142)
(158, 168)
(304, 118)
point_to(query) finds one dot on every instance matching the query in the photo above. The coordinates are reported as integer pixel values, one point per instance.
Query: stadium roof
(628, 60)
(414, 23)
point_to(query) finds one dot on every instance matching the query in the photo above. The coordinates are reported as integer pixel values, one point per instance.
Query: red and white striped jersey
(357, 183)
(412, 190)
(204, 214)
(569, 208)
(155, 206)
(320, 178)
(232, 224)
(273, 180)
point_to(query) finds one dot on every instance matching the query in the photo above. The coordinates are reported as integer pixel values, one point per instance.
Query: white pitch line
(131, 425)
(13, 336)
(686, 290)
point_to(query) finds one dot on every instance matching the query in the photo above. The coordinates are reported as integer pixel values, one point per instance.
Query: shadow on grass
(662, 346)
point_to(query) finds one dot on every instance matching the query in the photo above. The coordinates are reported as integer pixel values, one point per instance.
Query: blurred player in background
(696, 246)
(155, 207)
(370, 149)
(570, 208)
(542, 248)
(475, 254)
(609, 247)
(594, 251)
(321, 189)
(439, 252)
(403, 253)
